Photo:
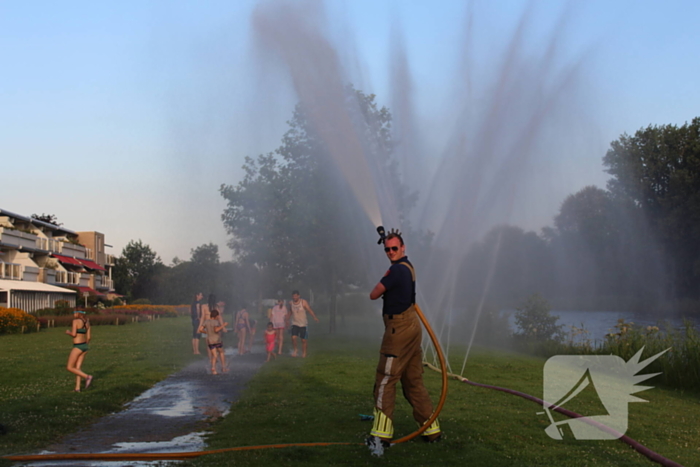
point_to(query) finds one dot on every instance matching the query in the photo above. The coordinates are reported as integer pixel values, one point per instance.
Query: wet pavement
(169, 417)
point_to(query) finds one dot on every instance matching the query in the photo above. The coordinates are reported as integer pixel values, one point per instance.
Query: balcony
(11, 271)
(110, 260)
(30, 273)
(84, 280)
(67, 278)
(47, 275)
(18, 239)
(71, 249)
(104, 282)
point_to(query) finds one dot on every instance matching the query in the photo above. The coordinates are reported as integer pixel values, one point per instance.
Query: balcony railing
(71, 249)
(104, 282)
(11, 271)
(65, 277)
(47, 275)
(17, 238)
(111, 260)
(42, 243)
(30, 273)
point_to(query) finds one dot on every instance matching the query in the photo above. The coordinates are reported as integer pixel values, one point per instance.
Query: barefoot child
(81, 334)
(270, 336)
(213, 327)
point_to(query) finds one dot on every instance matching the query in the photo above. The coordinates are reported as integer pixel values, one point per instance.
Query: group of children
(214, 326)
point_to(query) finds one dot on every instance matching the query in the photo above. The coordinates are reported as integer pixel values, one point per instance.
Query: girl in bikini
(80, 332)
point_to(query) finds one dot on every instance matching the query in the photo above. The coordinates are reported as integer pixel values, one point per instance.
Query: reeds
(679, 367)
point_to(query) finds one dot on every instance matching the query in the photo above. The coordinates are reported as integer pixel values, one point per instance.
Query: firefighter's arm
(377, 291)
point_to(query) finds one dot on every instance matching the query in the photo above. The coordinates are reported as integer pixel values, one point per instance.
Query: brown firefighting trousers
(401, 359)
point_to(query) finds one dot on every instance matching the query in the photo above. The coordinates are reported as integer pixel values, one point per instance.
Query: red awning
(91, 264)
(67, 260)
(89, 290)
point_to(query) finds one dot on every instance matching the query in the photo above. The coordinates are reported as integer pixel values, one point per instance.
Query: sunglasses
(392, 248)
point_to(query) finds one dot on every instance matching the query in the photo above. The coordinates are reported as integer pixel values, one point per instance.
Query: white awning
(7, 286)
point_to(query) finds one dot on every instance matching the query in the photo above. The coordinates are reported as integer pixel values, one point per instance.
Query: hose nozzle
(382, 234)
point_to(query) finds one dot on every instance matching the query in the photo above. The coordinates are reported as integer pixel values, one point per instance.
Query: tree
(136, 270)
(206, 255)
(603, 248)
(520, 261)
(658, 170)
(202, 270)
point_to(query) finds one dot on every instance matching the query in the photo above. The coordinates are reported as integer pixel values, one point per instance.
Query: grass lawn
(319, 399)
(37, 402)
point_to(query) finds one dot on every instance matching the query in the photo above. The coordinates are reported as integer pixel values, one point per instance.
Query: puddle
(187, 443)
(172, 416)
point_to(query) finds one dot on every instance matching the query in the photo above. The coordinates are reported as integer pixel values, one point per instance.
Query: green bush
(535, 321)
(141, 301)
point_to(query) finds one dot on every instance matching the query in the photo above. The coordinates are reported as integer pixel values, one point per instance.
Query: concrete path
(169, 417)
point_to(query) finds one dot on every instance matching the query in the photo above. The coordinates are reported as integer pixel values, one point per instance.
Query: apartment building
(41, 263)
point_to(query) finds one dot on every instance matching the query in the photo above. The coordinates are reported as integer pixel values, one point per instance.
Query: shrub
(63, 307)
(12, 320)
(535, 322)
(141, 301)
(53, 312)
(168, 311)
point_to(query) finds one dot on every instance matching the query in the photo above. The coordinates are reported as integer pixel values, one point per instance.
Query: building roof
(57, 228)
(6, 286)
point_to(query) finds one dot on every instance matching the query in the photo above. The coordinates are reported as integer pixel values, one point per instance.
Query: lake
(598, 323)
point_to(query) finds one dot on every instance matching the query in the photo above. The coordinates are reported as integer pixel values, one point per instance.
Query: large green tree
(136, 271)
(658, 170)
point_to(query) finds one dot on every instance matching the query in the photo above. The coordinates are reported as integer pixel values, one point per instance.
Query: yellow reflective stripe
(382, 383)
(383, 426)
(432, 429)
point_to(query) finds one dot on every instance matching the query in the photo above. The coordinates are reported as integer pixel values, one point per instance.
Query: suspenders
(413, 276)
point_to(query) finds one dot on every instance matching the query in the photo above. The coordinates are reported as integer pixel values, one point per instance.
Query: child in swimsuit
(242, 327)
(270, 337)
(80, 332)
(213, 328)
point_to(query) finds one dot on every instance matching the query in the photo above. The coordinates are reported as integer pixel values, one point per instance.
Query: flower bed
(15, 321)
(167, 311)
(119, 319)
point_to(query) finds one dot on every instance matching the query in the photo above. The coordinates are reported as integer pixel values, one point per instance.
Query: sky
(126, 117)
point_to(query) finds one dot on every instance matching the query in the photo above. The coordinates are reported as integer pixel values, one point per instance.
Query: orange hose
(158, 456)
(443, 394)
